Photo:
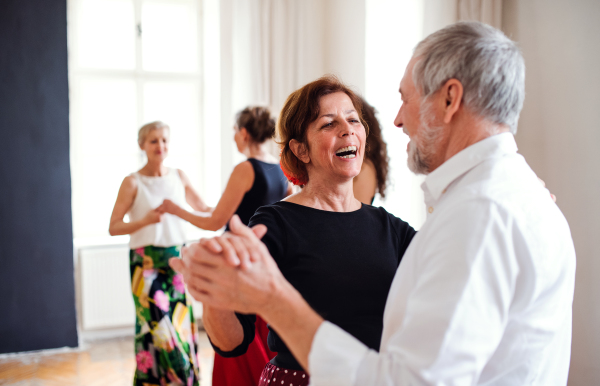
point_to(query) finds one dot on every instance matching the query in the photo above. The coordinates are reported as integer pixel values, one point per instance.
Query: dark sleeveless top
(270, 186)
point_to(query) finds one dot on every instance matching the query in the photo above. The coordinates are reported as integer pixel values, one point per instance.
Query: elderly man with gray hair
(484, 293)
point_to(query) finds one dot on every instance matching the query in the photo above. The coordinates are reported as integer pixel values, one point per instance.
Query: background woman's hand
(169, 206)
(154, 216)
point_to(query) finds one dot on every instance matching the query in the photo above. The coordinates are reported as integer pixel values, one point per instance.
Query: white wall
(559, 135)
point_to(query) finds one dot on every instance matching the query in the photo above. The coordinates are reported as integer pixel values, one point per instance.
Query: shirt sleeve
(404, 232)
(453, 320)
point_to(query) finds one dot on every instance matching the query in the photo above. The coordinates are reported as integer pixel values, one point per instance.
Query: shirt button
(430, 209)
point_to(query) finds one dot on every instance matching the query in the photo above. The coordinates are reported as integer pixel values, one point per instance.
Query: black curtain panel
(37, 292)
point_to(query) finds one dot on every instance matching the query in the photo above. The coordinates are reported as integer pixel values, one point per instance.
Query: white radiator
(106, 300)
(105, 283)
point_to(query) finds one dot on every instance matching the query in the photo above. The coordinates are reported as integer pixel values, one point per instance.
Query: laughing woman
(340, 254)
(165, 329)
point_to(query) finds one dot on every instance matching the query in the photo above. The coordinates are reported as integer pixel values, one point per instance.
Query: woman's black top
(342, 264)
(270, 185)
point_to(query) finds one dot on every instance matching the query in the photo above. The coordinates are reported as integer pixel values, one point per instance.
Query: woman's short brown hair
(257, 121)
(301, 109)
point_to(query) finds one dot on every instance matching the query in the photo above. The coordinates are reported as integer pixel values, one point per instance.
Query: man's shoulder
(508, 192)
(507, 182)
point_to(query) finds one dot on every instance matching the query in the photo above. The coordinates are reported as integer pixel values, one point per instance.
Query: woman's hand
(153, 216)
(552, 196)
(234, 272)
(127, 193)
(169, 206)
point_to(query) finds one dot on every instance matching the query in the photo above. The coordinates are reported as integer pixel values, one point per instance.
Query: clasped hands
(233, 271)
(155, 215)
(168, 206)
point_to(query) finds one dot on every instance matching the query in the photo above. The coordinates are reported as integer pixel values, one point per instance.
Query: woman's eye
(329, 124)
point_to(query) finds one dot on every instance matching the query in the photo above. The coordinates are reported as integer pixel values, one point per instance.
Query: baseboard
(51, 351)
(108, 333)
(118, 332)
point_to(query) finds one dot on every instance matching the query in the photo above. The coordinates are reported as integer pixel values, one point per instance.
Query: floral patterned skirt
(166, 340)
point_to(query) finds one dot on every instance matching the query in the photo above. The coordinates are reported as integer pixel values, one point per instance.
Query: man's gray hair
(487, 63)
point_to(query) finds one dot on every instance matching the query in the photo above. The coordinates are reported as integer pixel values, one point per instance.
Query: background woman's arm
(191, 195)
(127, 193)
(239, 183)
(365, 183)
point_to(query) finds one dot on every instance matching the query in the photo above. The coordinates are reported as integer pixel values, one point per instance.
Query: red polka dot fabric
(276, 376)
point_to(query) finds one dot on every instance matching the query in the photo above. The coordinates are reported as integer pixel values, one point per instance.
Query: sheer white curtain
(269, 48)
(440, 13)
(486, 11)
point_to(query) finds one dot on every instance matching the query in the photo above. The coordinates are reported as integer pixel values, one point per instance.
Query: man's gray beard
(416, 163)
(422, 149)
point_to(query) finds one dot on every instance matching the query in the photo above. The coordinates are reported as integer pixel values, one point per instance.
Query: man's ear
(300, 151)
(452, 93)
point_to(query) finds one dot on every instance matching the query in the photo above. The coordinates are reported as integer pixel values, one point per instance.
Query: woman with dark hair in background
(373, 176)
(256, 182)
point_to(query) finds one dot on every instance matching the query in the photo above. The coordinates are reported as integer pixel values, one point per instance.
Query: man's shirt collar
(492, 147)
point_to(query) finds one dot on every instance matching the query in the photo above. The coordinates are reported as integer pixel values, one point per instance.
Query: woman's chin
(347, 175)
(158, 158)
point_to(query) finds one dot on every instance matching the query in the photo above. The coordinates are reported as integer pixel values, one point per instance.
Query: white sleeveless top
(151, 192)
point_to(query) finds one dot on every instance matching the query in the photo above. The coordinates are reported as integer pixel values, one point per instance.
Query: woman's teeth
(346, 152)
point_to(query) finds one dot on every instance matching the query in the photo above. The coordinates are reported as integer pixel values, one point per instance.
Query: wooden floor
(100, 363)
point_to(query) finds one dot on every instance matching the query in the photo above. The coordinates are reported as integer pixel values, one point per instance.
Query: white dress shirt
(484, 293)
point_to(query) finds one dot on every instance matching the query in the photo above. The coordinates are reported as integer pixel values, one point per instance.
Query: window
(130, 62)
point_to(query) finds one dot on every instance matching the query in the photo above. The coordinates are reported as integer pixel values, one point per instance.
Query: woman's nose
(347, 129)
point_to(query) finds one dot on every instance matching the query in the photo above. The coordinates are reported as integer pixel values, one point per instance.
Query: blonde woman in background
(165, 331)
